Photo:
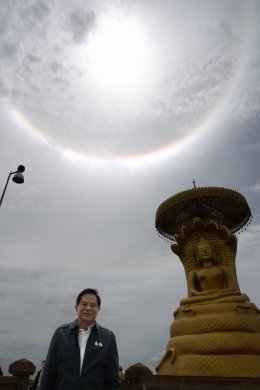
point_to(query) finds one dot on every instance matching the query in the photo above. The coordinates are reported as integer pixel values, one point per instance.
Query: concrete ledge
(168, 382)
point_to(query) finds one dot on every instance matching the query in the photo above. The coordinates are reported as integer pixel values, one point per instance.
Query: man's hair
(91, 291)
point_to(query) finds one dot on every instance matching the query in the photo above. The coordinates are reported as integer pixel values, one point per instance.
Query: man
(82, 354)
(37, 380)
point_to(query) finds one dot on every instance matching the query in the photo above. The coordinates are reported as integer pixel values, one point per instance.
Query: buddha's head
(204, 252)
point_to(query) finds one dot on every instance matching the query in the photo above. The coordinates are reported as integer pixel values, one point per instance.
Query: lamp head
(21, 168)
(18, 176)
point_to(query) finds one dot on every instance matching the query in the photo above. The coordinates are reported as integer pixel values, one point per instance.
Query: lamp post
(18, 178)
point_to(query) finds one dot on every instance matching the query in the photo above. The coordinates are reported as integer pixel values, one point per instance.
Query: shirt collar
(75, 324)
(88, 330)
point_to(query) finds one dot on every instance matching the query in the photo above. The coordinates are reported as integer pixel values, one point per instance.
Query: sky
(112, 107)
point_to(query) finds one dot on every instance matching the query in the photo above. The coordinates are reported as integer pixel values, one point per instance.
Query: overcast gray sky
(114, 106)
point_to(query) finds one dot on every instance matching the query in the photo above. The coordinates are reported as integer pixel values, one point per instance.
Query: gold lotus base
(214, 339)
(243, 366)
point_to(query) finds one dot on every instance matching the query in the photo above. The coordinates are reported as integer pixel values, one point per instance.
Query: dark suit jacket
(100, 364)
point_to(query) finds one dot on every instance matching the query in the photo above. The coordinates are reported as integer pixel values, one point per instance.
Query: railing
(21, 371)
(137, 377)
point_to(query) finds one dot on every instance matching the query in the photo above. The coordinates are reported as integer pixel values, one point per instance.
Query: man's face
(87, 310)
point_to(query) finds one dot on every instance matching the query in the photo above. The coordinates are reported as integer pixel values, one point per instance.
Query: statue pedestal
(168, 382)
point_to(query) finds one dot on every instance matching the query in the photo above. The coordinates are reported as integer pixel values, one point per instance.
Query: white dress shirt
(83, 338)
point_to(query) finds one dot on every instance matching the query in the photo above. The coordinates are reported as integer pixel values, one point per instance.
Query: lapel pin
(98, 344)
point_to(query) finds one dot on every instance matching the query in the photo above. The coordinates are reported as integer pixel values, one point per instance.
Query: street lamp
(18, 178)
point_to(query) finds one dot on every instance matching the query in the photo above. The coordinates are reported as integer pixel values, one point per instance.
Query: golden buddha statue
(210, 276)
(216, 329)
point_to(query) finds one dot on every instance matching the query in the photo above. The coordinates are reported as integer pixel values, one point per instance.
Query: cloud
(40, 11)
(8, 50)
(56, 67)
(80, 22)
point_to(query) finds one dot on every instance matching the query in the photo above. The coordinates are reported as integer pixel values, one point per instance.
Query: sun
(119, 56)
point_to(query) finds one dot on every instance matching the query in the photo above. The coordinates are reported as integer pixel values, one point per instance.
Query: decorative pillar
(133, 376)
(22, 369)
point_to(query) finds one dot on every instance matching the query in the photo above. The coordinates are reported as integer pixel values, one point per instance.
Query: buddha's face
(205, 252)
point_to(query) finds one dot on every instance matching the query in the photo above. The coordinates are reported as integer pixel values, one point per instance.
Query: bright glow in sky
(122, 78)
(118, 54)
